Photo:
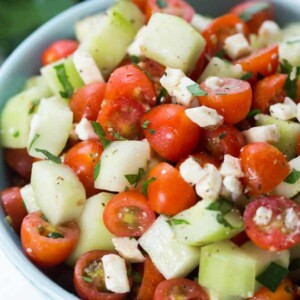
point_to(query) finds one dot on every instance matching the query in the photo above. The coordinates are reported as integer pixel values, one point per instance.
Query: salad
(157, 156)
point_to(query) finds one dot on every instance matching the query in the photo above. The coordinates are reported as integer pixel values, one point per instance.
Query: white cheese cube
(263, 216)
(135, 48)
(284, 111)
(204, 116)
(171, 78)
(191, 171)
(269, 33)
(266, 134)
(233, 186)
(128, 249)
(237, 46)
(231, 166)
(84, 130)
(115, 273)
(214, 82)
(200, 22)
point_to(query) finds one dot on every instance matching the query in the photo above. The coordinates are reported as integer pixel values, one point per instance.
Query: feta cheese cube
(237, 46)
(266, 134)
(263, 216)
(269, 33)
(233, 186)
(214, 82)
(135, 48)
(85, 131)
(171, 78)
(291, 220)
(200, 22)
(191, 171)
(284, 111)
(115, 273)
(128, 249)
(231, 166)
(204, 116)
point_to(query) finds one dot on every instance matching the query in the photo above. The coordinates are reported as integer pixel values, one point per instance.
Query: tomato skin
(169, 194)
(58, 50)
(86, 290)
(128, 214)
(274, 236)
(264, 167)
(141, 4)
(170, 132)
(224, 139)
(180, 287)
(86, 101)
(232, 99)
(44, 251)
(13, 206)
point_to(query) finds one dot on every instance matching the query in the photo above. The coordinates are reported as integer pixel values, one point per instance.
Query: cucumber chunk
(227, 269)
(289, 50)
(171, 258)
(50, 127)
(58, 191)
(172, 42)
(289, 132)
(201, 227)
(38, 82)
(93, 233)
(29, 199)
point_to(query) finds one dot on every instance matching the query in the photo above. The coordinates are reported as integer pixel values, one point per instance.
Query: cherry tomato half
(47, 245)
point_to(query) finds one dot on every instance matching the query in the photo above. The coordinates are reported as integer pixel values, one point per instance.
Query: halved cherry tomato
(224, 139)
(276, 232)
(170, 132)
(221, 28)
(178, 8)
(82, 159)
(58, 50)
(89, 277)
(254, 12)
(128, 214)
(168, 192)
(141, 4)
(202, 158)
(13, 206)
(232, 99)
(180, 288)
(86, 101)
(47, 245)
(199, 68)
(240, 239)
(264, 167)
(268, 91)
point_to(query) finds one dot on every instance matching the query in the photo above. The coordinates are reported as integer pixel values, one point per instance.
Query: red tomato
(47, 245)
(199, 68)
(261, 13)
(89, 266)
(86, 101)
(13, 207)
(203, 158)
(128, 214)
(224, 139)
(82, 159)
(221, 28)
(180, 288)
(277, 233)
(141, 4)
(268, 91)
(240, 239)
(178, 8)
(264, 167)
(170, 132)
(58, 50)
(232, 99)
(169, 193)
(298, 144)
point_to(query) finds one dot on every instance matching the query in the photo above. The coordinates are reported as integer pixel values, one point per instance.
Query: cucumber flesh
(29, 199)
(38, 82)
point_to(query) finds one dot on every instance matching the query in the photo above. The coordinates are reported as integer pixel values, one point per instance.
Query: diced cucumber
(50, 127)
(16, 117)
(199, 226)
(221, 68)
(38, 82)
(29, 199)
(289, 50)
(172, 42)
(93, 233)
(291, 30)
(227, 269)
(289, 132)
(58, 191)
(119, 159)
(171, 258)
(62, 77)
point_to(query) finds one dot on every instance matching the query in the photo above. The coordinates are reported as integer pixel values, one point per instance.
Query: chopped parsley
(36, 136)
(161, 3)
(247, 76)
(64, 80)
(221, 220)
(134, 179)
(33, 106)
(146, 124)
(55, 235)
(223, 207)
(247, 14)
(101, 134)
(97, 169)
(252, 113)
(195, 90)
(162, 95)
(151, 131)
(134, 59)
(49, 155)
(118, 137)
(293, 177)
(222, 135)
(16, 134)
(146, 184)
(87, 279)
(174, 221)
(291, 83)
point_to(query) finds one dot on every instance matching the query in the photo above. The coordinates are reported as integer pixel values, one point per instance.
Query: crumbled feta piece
(291, 220)
(86, 67)
(115, 273)
(214, 82)
(231, 166)
(200, 22)
(135, 48)
(84, 130)
(263, 216)
(128, 249)
(266, 134)
(269, 33)
(284, 111)
(204, 116)
(237, 46)
(233, 186)
(210, 184)
(191, 171)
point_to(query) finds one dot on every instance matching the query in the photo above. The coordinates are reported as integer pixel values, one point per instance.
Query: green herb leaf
(247, 14)
(151, 131)
(221, 219)
(223, 205)
(33, 106)
(55, 235)
(118, 137)
(146, 124)
(146, 184)
(97, 169)
(162, 95)
(134, 59)
(252, 113)
(135, 178)
(221, 53)
(49, 155)
(101, 134)
(62, 76)
(291, 84)
(247, 76)
(195, 90)
(272, 276)
(136, 276)
(87, 279)
(294, 264)
(36, 136)
(16, 134)
(161, 3)
(178, 222)
(222, 135)
(293, 41)
(293, 177)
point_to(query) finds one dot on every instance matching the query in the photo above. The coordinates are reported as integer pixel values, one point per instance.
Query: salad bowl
(25, 62)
